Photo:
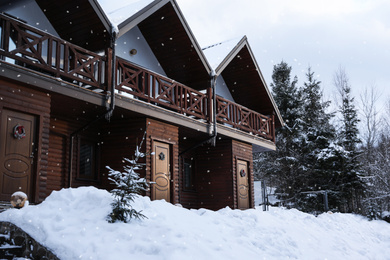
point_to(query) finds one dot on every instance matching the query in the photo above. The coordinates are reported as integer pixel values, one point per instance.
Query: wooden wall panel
(20, 97)
(120, 139)
(57, 164)
(215, 176)
(64, 126)
(216, 173)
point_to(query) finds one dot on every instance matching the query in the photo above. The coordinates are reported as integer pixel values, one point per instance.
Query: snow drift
(73, 224)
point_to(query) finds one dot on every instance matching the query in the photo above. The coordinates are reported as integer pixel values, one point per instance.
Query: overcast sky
(325, 35)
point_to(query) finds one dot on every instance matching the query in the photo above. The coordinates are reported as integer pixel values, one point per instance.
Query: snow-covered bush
(128, 185)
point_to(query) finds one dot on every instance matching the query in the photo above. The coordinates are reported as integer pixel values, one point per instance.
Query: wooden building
(77, 92)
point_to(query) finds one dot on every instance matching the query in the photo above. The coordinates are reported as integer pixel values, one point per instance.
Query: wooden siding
(57, 163)
(215, 176)
(61, 129)
(188, 198)
(120, 139)
(17, 97)
(169, 134)
(243, 151)
(216, 173)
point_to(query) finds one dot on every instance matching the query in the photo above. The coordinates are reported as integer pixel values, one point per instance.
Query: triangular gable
(244, 79)
(217, 54)
(171, 40)
(81, 22)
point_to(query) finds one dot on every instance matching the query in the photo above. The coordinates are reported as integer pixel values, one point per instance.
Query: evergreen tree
(351, 187)
(282, 168)
(318, 148)
(128, 185)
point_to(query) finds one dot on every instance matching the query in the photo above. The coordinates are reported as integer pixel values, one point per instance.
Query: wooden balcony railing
(245, 119)
(32, 48)
(162, 91)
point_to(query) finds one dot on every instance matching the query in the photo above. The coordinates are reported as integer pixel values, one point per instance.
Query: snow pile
(72, 222)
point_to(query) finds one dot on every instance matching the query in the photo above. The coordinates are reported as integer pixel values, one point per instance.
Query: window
(188, 174)
(87, 160)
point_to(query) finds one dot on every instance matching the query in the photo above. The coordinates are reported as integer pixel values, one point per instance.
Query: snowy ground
(72, 222)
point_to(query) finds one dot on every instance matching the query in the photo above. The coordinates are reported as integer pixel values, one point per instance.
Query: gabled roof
(216, 54)
(160, 21)
(80, 22)
(171, 40)
(243, 77)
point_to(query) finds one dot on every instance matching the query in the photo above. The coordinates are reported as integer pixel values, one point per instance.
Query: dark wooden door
(161, 171)
(242, 185)
(17, 147)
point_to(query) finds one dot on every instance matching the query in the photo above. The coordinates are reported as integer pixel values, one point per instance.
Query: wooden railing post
(4, 37)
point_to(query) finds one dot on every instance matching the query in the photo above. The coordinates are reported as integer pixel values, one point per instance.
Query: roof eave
(101, 14)
(141, 15)
(148, 10)
(192, 38)
(275, 107)
(233, 53)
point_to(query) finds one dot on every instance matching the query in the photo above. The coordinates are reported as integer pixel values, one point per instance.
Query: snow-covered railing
(34, 49)
(245, 119)
(159, 90)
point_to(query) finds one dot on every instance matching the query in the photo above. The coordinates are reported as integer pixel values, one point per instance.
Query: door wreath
(19, 132)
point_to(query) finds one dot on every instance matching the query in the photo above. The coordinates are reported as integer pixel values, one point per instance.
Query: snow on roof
(216, 53)
(120, 10)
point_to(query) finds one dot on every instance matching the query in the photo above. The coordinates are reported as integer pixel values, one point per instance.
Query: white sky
(354, 34)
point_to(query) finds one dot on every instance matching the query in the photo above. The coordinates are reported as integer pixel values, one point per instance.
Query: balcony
(33, 49)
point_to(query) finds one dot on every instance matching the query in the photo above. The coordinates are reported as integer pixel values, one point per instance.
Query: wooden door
(17, 148)
(242, 185)
(161, 171)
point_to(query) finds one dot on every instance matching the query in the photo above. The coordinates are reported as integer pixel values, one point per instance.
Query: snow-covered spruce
(128, 184)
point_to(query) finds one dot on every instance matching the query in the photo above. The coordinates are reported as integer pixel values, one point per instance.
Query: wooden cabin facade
(76, 94)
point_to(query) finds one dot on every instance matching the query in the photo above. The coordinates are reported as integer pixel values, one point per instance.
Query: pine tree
(128, 184)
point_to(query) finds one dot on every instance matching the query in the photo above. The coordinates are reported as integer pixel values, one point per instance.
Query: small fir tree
(128, 184)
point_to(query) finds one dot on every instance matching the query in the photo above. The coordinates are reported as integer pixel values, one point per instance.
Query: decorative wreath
(161, 156)
(19, 132)
(242, 173)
